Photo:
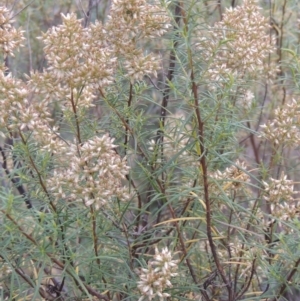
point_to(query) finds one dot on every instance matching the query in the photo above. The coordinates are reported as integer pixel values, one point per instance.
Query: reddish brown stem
(38, 174)
(95, 238)
(127, 120)
(76, 117)
(203, 164)
(183, 245)
(288, 279)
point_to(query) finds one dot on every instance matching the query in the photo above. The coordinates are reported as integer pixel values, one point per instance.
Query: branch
(288, 279)
(203, 166)
(15, 180)
(91, 290)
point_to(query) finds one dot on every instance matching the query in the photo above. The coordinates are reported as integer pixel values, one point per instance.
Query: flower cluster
(13, 101)
(245, 99)
(233, 176)
(83, 61)
(92, 173)
(284, 128)
(131, 21)
(13, 92)
(156, 278)
(134, 20)
(20, 111)
(237, 45)
(139, 66)
(80, 62)
(280, 189)
(10, 37)
(279, 193)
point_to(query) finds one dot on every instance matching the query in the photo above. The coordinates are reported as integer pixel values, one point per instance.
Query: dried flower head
(10, 37)
(233, 177)
(130, 24)
(238, 45)
(285, 211)
(92, 173)
(137, 19)
(245, 99)
(284, 128)
(78, 56)
(280, 194)
(281, 189)
(13, 102)
(139, 66)
(156, 278)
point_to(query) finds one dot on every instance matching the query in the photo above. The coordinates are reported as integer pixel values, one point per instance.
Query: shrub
(152, 153)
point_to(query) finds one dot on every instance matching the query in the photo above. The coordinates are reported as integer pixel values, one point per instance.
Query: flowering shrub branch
(130, 166)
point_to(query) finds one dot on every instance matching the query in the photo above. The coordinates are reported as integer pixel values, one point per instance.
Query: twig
(15, 181)
(21, 10)
(183, 245)
(245, 289)
(166, 94)
(94, 231)
(203, 165)
(76, 117)
(38, 174)
(127, 120)
(288, 278)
